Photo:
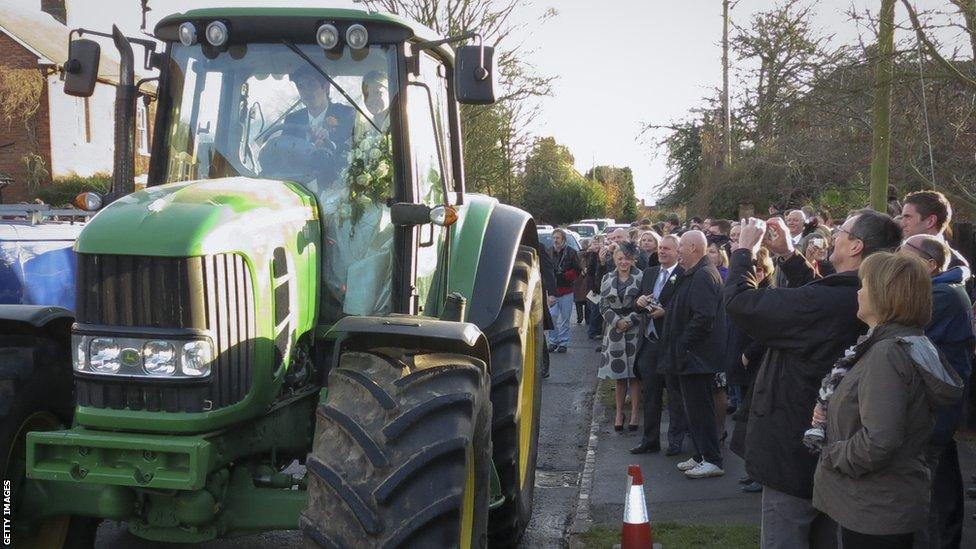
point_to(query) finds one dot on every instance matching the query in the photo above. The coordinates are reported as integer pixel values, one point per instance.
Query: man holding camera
(566, 267)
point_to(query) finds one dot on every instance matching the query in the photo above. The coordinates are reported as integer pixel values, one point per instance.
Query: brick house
(69, 135)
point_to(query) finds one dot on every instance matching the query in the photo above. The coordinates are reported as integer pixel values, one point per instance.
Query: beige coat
(872, 476)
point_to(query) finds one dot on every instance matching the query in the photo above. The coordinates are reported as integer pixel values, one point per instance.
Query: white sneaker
(705, 470)
(688, 465)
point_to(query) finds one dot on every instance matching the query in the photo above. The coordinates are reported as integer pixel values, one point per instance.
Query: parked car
(601, 223)
(545, 238)
(615, 226)
(586, 230)
(544, 227)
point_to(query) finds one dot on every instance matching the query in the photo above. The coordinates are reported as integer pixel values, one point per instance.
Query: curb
(581, 519)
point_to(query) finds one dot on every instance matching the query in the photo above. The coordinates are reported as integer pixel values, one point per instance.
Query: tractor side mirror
(81, 68)
(474, 75)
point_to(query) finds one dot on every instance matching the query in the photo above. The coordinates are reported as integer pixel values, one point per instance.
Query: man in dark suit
(326, 125)
(658, 282)
(692, 348)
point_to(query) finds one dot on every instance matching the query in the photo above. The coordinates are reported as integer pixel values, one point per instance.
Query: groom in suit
(326, 125)
(658, 282)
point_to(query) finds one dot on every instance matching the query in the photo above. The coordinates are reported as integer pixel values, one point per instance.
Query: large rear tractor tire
(517, 346)
(402, 453)
(36, 395)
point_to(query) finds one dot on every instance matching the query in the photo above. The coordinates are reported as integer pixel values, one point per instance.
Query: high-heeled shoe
(619, 426)
(632, 426)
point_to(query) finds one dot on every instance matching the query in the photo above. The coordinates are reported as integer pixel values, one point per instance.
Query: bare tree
(496, 140)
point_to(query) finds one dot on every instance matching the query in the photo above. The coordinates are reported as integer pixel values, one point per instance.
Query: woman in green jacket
(871, 477)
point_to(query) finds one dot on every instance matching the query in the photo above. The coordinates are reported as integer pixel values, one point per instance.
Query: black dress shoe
(561, 349)
(672, 451)
(646, 448)
(746, 480)
(552, 348)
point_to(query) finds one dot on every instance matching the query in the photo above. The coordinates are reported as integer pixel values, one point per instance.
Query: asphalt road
(567, 399)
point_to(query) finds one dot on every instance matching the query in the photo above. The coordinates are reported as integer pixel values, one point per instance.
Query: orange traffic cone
(636, 532)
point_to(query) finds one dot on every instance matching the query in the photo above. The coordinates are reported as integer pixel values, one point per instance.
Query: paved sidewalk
(671, 496)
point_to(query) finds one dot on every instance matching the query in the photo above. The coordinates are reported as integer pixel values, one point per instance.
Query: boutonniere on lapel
(331, 121)
(672, 279)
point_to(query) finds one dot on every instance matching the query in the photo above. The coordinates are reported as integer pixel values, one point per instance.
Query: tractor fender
(417, 333)
(49, 321)
(508, 228)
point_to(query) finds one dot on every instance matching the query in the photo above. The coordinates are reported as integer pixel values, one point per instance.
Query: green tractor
(304, 278)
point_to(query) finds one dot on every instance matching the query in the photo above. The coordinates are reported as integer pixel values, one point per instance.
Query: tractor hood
(198, 218)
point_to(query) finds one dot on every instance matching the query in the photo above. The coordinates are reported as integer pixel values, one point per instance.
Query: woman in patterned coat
(622, 323)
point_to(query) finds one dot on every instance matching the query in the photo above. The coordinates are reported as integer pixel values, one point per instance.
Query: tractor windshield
(268, 110)
(298, 113)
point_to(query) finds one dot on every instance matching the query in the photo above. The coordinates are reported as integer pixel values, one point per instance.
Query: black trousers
(652, 387)
(850, 538)
(947, 511)
(696, 396)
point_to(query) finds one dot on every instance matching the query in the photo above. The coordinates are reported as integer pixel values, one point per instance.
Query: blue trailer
(37, 258)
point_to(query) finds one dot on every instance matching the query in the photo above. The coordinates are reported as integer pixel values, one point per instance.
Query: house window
(142, 129)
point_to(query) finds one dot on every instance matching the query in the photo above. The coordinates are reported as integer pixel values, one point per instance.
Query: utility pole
(726, 111)
(881, 144)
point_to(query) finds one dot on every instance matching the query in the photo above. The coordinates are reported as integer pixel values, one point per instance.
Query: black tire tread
(413, 494)
(508, 522)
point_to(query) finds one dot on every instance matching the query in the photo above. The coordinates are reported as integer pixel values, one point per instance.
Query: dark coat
(951, 331)
(566, 268)
(296, 124)
(646, 261)
(806, 327)
(738, 343)
(693, 338)
(647, 354)
(593, 271)
(328, 164)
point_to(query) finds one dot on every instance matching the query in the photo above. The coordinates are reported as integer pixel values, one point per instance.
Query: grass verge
(673, 535)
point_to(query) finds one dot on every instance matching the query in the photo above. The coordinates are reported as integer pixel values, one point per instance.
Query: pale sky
(620, 63)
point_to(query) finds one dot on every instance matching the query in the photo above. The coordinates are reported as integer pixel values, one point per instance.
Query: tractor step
(120, 459)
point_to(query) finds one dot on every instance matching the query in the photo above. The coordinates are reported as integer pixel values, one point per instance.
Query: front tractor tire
(401, 455)
(517, 344)
(36, 395)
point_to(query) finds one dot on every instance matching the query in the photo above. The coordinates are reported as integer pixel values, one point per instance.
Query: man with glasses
(951, 331)
(805, 327)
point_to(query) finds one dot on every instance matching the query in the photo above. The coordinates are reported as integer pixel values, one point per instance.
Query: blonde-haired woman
(871, 477)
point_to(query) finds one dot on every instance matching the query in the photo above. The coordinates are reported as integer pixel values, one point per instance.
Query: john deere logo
(129, 357)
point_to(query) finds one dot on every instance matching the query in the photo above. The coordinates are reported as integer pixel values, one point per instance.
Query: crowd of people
(842, 352)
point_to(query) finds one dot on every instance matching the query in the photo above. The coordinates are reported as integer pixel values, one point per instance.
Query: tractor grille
(213, 293)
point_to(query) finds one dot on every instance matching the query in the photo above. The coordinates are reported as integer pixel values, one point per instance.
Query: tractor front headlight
(105, 355)
(197, 358)
(190, 357)
(159, 358)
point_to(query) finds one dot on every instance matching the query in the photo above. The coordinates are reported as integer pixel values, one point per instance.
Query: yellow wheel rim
(467, 502)
(526, 411)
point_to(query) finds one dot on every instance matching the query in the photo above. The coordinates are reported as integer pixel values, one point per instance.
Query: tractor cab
(359, 110)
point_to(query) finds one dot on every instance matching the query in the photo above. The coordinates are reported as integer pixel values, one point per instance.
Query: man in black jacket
(326, 125)
(658, 283)
(806, 327)
(691, 350)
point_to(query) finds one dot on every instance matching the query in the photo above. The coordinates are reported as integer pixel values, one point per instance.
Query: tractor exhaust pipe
(123, 173)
